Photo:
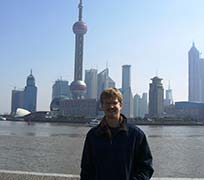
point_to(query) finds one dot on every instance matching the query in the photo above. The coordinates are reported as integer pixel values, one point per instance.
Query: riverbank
(168, 123)
(19, 175)
(130, 121)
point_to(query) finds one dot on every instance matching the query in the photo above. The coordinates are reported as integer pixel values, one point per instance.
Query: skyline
(153, 37)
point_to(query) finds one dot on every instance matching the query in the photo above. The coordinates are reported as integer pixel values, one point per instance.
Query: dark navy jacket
(124, 155)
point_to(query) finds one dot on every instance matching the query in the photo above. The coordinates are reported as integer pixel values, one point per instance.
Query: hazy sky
(154, 37)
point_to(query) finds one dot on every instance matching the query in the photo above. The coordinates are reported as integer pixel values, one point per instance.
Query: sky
(154, 37)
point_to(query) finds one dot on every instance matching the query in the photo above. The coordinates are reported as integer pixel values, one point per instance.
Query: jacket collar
(104, 129)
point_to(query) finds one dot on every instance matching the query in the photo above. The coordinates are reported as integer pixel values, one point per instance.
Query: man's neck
(113, 123)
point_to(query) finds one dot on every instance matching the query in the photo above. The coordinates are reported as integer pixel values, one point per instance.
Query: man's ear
(121, 105)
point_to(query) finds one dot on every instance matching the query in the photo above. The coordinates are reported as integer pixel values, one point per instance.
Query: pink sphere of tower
(78, 88)
(80, 27)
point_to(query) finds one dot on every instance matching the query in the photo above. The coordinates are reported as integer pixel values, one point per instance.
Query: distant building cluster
(81, 98)
(26, 98)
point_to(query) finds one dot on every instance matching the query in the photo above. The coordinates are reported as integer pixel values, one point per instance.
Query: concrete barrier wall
(22, 175)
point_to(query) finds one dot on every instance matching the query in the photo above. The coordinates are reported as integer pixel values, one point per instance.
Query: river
(178, 151)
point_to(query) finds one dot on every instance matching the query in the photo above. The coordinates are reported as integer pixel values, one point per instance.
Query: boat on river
(93, 122)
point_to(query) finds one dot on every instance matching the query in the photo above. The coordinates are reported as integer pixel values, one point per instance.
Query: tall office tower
(143, 105)
(126, 82)
(136, 105)
(169, 97)
(30, 94)
(127, 92)
(202, 79)
(156, 98)
(196, 76)
(60, 88)
(17, 100)
(111, 82)
(91, 83)
(127, 109)
(78, 87)
(140, 105)
(102, 82)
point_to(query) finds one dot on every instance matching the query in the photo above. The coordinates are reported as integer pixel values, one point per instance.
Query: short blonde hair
(111, 93)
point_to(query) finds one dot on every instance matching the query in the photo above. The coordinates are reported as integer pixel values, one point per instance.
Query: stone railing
(22, 175)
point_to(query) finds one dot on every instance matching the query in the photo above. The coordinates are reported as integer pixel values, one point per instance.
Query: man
(114, 150)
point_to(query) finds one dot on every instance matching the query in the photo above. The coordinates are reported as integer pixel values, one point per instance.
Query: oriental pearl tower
(78, 87)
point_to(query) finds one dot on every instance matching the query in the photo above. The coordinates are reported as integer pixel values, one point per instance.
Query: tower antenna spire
(106, 64)
(169, 85)
(80, 10)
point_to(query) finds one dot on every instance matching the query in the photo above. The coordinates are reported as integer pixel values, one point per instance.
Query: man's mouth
(111, 111)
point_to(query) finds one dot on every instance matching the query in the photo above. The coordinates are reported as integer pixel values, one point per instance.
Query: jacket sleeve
(86, 161)
(143, 167)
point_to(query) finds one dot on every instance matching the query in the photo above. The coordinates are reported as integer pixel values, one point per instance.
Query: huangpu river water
(178, 151)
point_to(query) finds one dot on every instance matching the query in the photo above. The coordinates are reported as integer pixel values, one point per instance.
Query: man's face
(112, 107)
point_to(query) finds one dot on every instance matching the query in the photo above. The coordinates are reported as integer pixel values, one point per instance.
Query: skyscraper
(156, 98)
(30, 94)
(111, 82)
(126, 81)
(17, 100)
(127, 92)
(195, 76)
(102, 82)
(140, 105)
(136, 105)
(143, 105)
(78, 87)
(26, 98)
(60, 88)
(169, 97)
(91, 83)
